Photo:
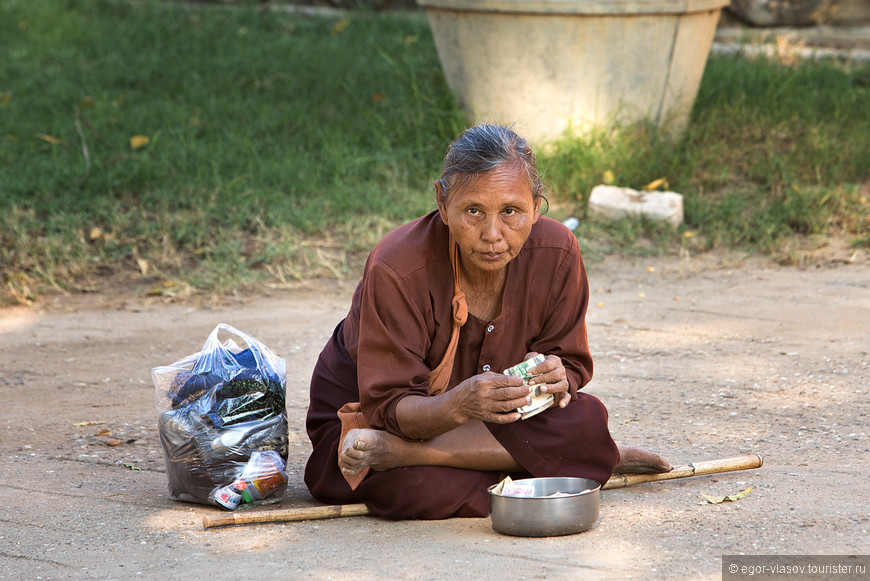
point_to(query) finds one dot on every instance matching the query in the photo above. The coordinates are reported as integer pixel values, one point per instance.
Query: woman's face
(490, 217)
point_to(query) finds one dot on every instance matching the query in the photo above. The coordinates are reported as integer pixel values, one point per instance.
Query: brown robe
(397, 331)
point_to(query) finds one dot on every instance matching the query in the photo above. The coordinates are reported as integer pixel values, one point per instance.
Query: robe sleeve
(393, 344)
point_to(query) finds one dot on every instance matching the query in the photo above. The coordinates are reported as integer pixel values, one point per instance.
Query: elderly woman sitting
(410, 412)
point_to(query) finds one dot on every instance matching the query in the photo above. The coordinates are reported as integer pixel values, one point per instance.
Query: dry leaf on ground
(729, 498)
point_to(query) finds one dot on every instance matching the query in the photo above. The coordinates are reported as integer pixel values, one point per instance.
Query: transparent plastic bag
(221, 412)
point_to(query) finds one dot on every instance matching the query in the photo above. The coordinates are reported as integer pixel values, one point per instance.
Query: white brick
(614, 203)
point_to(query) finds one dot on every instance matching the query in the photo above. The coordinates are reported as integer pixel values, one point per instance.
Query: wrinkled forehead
(502, 186)
(513, 170)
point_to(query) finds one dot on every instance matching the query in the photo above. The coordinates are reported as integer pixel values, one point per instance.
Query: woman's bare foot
(635, 460)
(376, 449)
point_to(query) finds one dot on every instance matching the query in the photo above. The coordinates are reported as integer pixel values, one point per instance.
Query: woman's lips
(492, 255)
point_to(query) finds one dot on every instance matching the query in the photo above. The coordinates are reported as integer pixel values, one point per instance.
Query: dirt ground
(697, 359)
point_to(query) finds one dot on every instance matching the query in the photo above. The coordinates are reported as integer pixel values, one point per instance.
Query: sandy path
(697, 363)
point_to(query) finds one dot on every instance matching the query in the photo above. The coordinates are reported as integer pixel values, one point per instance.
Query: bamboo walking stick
(696, 469)
(285, 515)
(339, 510)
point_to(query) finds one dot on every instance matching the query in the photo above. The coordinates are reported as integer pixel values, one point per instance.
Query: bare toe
(352, 457)
(352, 441)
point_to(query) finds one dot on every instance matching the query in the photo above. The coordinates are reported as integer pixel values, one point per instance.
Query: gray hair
(483, 148)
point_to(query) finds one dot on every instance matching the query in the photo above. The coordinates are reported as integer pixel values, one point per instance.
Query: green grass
(265, 129)
(772, 152)
(284, 145)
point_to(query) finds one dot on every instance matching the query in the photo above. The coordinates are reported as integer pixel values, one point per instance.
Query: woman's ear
(441, 200)
(537, 214)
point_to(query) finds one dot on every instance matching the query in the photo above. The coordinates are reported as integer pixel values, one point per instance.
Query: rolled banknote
(522, 369)
(540, 401)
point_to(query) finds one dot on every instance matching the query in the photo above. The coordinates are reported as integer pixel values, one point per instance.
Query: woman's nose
(491, 230)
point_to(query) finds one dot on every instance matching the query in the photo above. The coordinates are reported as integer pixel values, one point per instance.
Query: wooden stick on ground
(696, 469)
(339, 510)
(285, 515)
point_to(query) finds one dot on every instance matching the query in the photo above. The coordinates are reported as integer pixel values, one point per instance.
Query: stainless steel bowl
(542, 515)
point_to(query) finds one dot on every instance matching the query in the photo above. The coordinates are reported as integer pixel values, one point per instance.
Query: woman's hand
(552, 378)
(490, 397)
